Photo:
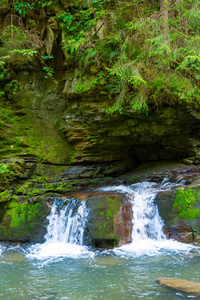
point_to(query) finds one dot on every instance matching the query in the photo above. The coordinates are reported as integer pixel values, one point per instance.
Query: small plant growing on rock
(55, 122)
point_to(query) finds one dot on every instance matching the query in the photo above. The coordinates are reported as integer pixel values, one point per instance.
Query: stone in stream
(182, 285)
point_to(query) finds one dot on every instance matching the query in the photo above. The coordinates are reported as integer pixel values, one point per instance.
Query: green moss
(35, 192)
(102, 217)
(187, 203)
(109, 213)
(33, 133)
(22, 190)
(32, 211)
(5, 196)
(17, 213)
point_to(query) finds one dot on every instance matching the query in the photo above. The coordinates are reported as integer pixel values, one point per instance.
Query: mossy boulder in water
(110, 220)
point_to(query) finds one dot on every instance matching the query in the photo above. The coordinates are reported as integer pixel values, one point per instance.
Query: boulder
(109, 221)
(182, 285)
(180, 211)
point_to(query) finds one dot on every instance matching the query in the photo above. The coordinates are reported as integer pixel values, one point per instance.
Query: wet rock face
(129, 137)
(180, 211)
(62, 128)
(109, 221)
(23, 220)
(123, 224)
(174, 227)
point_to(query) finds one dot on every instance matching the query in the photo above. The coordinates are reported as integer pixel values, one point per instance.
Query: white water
(65, 231)
(2, 249)
(67, 226)
(147, 232)
(64, 236)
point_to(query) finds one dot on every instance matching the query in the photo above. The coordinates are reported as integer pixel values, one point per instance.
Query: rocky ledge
(28, 186)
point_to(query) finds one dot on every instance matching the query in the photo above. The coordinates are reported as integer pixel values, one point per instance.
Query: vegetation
(146, 52)
(186, 201)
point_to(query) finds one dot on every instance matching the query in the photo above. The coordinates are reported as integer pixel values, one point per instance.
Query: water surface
(99, 275)
(63, 268)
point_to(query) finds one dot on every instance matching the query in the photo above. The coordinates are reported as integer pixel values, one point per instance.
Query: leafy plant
(55, 122)
(14, 87)
(4, 168)
(61, 129)
(145, 58)
(23, 7)
(49, 73)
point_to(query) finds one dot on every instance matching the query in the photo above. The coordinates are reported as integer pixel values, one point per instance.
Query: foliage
(19, 46)
(14, 50)
(49, 73)
(4, 168)
(6, 173)
(23, 7)
(186, 202)
(79, 33)
(55, 122)
(143, 61)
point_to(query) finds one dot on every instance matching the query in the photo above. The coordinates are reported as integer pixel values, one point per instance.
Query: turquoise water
(96, 275)
(63, 268)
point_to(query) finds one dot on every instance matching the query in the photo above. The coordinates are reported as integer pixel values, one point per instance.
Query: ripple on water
(108, 276)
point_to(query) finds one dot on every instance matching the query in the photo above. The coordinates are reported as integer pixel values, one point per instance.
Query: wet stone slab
(182, 285)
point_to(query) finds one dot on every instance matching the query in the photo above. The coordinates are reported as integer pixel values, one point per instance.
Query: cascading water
(67, 221)
(65, 231)
(147, 230)
(146, 220)
(66, 225)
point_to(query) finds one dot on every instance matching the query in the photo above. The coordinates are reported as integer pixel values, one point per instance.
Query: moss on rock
(102, 220)
(23, 221)
(188, 203)
(5, 196)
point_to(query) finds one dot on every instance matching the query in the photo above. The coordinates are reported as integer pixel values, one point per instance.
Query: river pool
(63, 268)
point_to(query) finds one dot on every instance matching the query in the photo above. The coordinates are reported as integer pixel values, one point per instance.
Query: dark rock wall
(60, 129)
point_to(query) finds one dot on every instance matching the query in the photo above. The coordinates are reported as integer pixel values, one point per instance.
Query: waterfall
(147, 234)
(146, 221)
(65, 232)
(66, 224)
(68, 218)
